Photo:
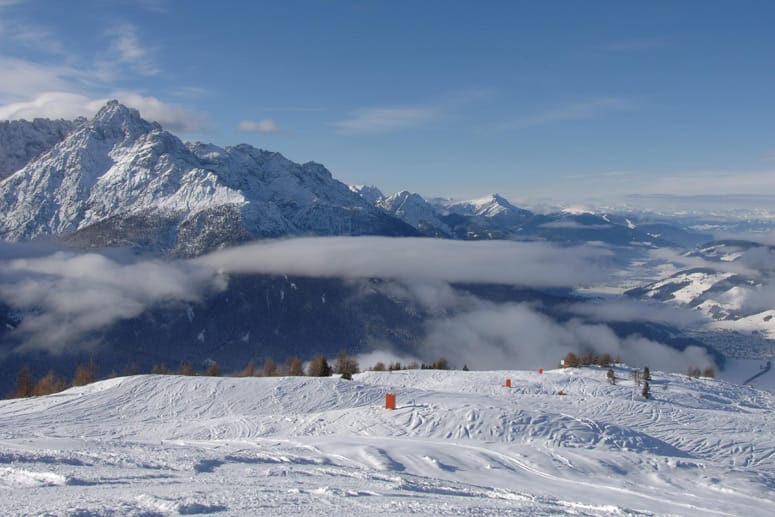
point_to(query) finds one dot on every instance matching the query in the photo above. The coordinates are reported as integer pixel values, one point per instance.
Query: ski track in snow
(458, 443)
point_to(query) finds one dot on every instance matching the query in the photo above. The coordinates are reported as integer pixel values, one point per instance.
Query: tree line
(345, 365)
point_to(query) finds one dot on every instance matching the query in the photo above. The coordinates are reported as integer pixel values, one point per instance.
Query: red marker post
(390, 400)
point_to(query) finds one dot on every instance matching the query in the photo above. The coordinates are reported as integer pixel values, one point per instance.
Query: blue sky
(562, 101)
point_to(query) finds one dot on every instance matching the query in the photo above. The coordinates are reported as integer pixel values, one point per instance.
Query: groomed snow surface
(458, 443)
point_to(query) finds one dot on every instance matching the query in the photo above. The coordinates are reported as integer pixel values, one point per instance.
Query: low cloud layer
(492, 336)
(68, 297)
(514, 263)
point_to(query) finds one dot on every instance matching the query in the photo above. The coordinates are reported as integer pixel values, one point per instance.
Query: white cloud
(491, 336)
(380, 120)
(258, 126)
(22, 79)
(67, 297)
(505, 262)
(70, 295)
(66, 105)
(172, 117)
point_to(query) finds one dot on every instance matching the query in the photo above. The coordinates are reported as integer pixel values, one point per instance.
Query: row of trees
(605, 360)
(27, 386)
(344, 365)
(439, 364)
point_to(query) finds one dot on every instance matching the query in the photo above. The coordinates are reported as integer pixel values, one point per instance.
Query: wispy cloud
(31, 36)
(258, 126)
(712, 182)
(636, 44)
(127, 49)
(382, 120)
(573, 111)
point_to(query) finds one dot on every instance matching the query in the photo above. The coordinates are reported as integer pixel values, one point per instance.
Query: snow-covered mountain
(562, 443)
(493, 206)
(736, 295)
(22, 140)
(368, 192)
(120, 180)
(414, 210)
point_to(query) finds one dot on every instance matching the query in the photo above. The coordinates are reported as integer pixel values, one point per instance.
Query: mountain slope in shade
(22, 140)
(120, 180)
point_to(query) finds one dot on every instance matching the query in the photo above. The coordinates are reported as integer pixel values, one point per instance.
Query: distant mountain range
(118, 180)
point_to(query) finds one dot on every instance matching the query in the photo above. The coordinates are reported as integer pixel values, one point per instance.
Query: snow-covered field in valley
(458, 443)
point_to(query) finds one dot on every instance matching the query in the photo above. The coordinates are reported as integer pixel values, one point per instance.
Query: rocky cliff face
(22, 140)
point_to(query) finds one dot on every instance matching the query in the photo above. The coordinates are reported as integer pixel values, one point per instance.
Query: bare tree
(295, 366)
(346, 365)
(186, 368)
(213, 370)
(319, 367)
(24, 383)
(270, 368)
(85, 374)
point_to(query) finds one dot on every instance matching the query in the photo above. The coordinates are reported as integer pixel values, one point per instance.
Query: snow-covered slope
(22, 140)
(733, 290)
(119, 179)
(458, 442)
(493, 206)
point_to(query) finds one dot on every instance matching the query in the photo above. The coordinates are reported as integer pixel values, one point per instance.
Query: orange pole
(508, 383)
(540, 370)
(390, 401)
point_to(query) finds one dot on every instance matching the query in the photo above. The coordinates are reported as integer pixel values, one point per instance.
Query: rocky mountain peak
(116, 119)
